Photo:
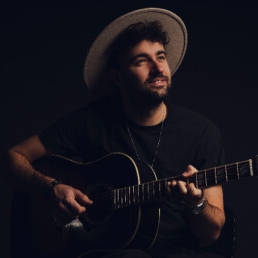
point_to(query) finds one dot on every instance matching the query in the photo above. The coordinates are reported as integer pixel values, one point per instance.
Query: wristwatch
(49, 189)
(199, 207)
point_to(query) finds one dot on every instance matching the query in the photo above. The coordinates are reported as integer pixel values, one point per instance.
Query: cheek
(139, 76)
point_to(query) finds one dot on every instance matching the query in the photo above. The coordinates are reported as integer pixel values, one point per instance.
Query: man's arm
(17, 170)
(17, 167)
(208, 223)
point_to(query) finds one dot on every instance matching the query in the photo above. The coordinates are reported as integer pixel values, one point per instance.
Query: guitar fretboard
(156, 190)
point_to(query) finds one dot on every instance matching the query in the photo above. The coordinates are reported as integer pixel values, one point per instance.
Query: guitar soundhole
(102, 208)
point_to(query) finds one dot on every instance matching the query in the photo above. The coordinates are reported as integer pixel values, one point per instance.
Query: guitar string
(209, 175)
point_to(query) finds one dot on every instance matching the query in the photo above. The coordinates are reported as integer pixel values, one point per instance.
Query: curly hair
(134, 34)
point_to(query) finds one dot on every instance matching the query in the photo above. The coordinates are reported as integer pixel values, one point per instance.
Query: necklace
(134, 145)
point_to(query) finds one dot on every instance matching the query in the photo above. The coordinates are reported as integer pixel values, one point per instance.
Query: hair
(134, 34)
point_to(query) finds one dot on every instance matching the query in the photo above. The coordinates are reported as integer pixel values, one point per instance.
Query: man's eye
(161, 58)
(140, 61)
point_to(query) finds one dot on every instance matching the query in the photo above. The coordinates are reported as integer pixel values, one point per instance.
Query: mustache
(157, 78)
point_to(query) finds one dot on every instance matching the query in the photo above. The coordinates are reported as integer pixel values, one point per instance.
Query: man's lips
(158, 81)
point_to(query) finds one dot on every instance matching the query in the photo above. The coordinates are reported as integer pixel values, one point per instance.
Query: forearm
(19, 173)
(207, 225)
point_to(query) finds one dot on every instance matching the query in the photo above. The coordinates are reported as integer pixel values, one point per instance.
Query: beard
(144, 96)
(152, 98)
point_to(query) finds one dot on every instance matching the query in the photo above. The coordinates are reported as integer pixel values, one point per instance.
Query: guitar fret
(165, 186)
(141, 192)
(152, 191)
(215, 175)
(226, 173)
(148, 191)
(124, 197)
(121, 197)
(128, 203)
(128, 195)
(221, 174)
(118, 199)
(136, 195)
(237, 167)
(205, 177)
(145, 192)
(196, 180)
(133, 195)
(201, 179)
(159, 190)
(114, 198)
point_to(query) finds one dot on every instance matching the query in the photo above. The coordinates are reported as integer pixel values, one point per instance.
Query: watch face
(199, 207)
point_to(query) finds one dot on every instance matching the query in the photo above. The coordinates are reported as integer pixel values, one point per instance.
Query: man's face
(145, 74)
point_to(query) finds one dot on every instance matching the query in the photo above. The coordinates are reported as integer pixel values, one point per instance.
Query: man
(129, 67)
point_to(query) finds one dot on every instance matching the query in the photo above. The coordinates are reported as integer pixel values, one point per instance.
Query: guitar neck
(222, 174)
(156, 190)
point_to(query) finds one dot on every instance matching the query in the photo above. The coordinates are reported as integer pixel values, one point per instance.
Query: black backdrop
(43, 46)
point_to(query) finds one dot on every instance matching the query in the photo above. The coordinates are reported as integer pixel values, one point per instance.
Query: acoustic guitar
(126, 196)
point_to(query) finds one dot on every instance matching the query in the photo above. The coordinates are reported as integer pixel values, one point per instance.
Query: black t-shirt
(187, 138)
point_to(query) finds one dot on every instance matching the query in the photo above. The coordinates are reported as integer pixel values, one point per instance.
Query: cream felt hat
(95, 67)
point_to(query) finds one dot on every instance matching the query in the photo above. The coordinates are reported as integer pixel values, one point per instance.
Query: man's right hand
(68, 203)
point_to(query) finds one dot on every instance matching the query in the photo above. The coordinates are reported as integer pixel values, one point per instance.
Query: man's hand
(68, 203)
(186, 195)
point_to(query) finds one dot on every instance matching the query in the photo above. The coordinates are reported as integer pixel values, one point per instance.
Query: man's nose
(157, 66)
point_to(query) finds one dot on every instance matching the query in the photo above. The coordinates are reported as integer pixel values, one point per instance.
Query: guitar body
(105, 228)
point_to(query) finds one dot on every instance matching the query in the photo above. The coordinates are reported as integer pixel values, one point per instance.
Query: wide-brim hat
(96, 63)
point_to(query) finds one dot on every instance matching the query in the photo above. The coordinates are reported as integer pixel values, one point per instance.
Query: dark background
(43, 46)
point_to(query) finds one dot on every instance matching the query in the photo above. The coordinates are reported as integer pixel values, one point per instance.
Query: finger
(171, 185)
(82, 198)
(195, 192)
(75, 209)
(78, 204)
(182, 187)
(191, 170)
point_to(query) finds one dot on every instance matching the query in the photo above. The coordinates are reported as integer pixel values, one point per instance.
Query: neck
(146, 116)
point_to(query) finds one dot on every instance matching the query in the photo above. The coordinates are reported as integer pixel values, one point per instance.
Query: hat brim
(95, 67)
